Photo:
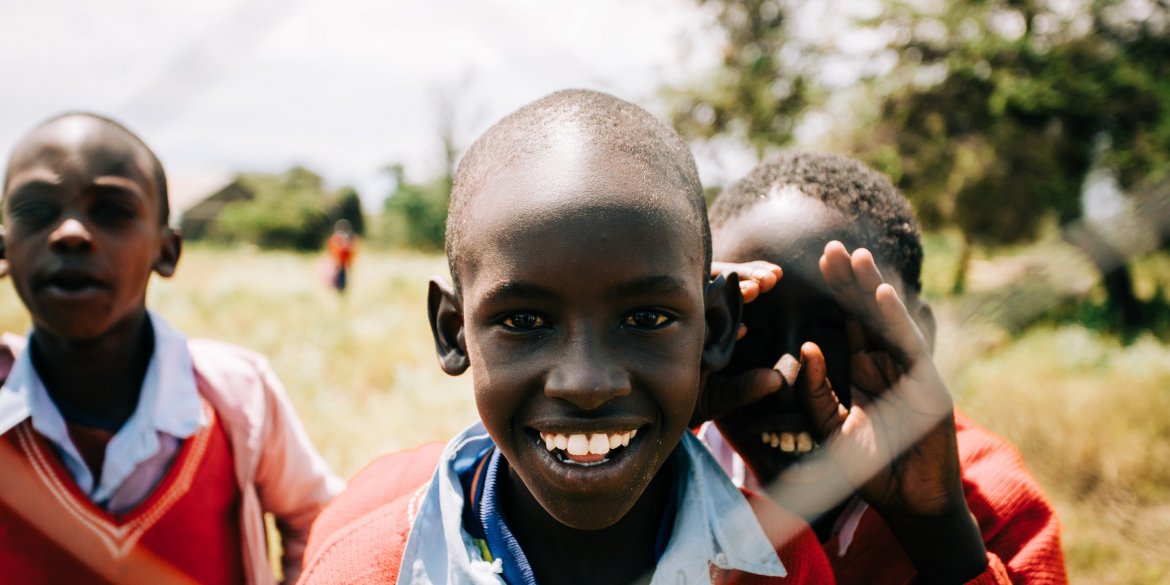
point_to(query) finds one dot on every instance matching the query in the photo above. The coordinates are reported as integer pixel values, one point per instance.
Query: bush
(290, 211)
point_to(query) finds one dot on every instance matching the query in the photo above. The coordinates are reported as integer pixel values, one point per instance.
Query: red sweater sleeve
(795, 544)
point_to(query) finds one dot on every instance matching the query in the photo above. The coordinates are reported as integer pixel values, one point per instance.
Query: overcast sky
(341, 86)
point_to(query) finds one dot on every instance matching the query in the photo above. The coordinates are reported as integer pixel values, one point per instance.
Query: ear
(170, 248)
(724, 307)
(445, 309)
(924, 317)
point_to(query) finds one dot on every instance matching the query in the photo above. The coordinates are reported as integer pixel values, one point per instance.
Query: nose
(71, 234)
(587, 376)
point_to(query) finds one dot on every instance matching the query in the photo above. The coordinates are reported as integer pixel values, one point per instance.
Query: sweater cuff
(996, 573)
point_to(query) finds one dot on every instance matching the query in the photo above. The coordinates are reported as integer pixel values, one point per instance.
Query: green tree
(987, 120)
(1024, 91)
(290, 210)
(415, 214)
(348, 206)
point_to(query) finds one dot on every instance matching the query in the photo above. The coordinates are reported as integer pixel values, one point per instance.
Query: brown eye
(646, 319)
(523, 321)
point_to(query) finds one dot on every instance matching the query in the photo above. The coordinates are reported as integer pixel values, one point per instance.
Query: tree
(348, 206)
(989, 116)
(416, 213)
(290, 210)
(1024, 91)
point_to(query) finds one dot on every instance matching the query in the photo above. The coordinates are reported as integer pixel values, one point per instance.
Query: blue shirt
(169, 410)
(713, 525)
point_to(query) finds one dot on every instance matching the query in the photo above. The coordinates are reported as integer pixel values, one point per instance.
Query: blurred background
(1033, 137)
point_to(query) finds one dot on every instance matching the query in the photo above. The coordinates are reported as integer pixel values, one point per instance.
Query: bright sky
(341, 86)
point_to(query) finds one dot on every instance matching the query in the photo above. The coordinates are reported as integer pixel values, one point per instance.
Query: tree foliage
(415, 214)
(291, 210)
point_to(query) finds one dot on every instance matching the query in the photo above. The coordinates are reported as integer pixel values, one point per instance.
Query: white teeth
(787, 442)
(633, 433)
(598, 444)
(774, 441)
(584, 444)
(804, 443)
(578, 445)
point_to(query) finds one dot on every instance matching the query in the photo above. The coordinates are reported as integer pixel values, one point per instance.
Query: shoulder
(795, 544)
(991, 465)
(372, 515)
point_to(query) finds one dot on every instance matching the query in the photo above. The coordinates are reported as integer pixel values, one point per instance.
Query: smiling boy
(130, 454)
(916, 490)
(578, 244)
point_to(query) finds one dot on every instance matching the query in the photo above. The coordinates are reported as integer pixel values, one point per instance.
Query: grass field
(1089, 413)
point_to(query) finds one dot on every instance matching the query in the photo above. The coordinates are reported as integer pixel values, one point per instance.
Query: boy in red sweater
(130, 454)
(859, 433)
(581, 302)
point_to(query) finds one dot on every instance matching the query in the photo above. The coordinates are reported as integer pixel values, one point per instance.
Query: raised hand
(896, 445)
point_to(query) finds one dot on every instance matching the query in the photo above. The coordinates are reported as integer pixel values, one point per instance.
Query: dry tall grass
(1092, 417)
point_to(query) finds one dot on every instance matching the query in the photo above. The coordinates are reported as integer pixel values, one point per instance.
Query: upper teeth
(586, 444)
(789, 442)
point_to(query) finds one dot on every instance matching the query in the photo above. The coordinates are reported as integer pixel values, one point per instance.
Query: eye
(646, 319)
(34, 214)
(523, 321)
(111, 211)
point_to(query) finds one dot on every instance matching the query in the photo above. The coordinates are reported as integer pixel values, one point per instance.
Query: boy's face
(583, 306)
(790, 229)
(84, 229)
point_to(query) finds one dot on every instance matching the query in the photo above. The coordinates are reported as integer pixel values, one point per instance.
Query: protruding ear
(445, 308)
(724, 307)
(170, 248)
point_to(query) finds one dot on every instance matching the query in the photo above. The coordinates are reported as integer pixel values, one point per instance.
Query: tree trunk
(962, 267)
(1115, 275)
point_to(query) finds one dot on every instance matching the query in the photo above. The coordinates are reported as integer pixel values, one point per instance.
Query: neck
(621, 553)
(102, 377)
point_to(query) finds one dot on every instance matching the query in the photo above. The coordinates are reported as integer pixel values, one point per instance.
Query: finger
(837, 269)
(727, 393)
(865, 270)
(740, 332)
(749, 290)
(897, 326)
(825, 410)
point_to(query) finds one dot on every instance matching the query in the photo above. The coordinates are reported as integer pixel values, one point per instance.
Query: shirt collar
(714, 524)
(169, 402)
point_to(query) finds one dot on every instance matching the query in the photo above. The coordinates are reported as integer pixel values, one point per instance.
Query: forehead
(78, 148)
(788, 228)
(569, 207)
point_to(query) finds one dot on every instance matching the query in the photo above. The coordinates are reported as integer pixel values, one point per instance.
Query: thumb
(813, 387)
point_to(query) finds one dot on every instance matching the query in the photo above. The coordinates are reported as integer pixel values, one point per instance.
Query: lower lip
(84, 293)
(585, 477)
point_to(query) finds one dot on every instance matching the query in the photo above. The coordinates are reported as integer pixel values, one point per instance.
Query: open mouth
(587, 449)
(797, 444)
(73, 282)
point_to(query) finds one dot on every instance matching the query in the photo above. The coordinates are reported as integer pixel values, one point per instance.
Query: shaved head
(81, 126)
(592, 126)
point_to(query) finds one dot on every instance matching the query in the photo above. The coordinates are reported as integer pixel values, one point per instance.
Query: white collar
(169, 402)
(714, 525)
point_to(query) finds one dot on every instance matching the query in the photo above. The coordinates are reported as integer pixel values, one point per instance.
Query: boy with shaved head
(130, 453)
(581, 302)
(863, 437)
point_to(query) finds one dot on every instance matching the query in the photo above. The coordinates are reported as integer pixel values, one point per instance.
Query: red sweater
(361, 535)
(186, 531)
(1018, 523)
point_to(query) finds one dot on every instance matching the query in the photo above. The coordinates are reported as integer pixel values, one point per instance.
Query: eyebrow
(650, 284)
(514, 289)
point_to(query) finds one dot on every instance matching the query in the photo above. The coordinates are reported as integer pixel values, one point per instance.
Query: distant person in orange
(342, 246)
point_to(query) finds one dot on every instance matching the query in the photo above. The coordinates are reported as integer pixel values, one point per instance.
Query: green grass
(1090, 415)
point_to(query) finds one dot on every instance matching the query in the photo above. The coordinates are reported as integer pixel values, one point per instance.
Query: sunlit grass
(1090, 415)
